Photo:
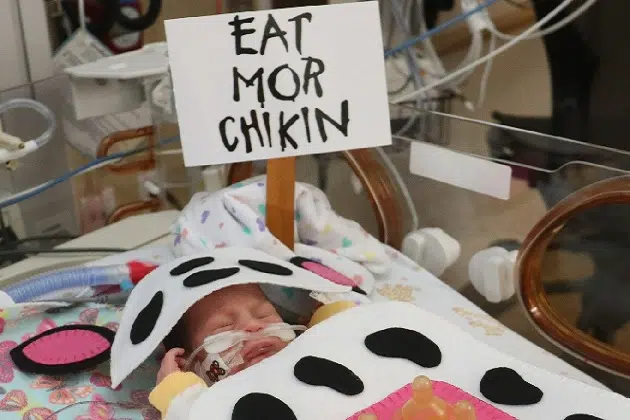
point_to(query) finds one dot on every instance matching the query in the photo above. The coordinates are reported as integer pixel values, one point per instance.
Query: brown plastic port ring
(121, 136)
(530, 290)
(375, 180)
(134, 208)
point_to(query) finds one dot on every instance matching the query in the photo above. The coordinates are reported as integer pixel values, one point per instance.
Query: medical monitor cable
(95, 164)
(398, 11)
(439, 28)
(553, 28)
(532, 29)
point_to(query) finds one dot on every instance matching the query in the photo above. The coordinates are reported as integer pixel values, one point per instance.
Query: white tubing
(522, 36)
(38, 107)
(551, 29)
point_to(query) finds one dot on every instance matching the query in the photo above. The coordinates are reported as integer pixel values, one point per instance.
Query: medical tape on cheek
(217, 366)
(233, 356)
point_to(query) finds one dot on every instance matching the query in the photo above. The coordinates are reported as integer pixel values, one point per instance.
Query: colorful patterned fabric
(235, 216)
(39, 397)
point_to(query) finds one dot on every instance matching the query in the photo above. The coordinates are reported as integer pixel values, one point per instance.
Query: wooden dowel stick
(281, 199)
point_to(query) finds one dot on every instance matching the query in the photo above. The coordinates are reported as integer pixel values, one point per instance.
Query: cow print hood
(157, 303)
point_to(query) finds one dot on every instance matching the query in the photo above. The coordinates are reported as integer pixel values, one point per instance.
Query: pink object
(66, 347)
(386, 408)
(328, 273)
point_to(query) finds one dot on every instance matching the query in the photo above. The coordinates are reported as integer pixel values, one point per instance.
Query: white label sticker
(461, 170)
(287, 82)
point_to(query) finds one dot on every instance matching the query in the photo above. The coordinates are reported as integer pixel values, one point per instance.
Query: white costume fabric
(464, 363)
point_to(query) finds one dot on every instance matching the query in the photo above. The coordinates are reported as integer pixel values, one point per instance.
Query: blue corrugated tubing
(43, 284)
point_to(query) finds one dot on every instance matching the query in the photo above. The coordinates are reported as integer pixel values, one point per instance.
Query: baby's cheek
(281, 344)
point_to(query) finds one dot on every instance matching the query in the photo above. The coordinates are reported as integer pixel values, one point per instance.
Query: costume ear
(322, 271)
(64, 350)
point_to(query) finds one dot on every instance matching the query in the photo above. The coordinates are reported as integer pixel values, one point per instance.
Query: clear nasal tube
(223, 349)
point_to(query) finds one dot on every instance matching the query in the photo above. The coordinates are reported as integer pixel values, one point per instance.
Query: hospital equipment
(26, 72)
(52, 285)
(14, 148)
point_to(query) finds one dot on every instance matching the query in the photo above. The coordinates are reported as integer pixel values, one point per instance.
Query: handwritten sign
(260, 85)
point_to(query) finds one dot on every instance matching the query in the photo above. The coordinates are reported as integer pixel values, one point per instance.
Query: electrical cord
(485, 77)
(412, 63)
(551, 29)
(39, 251)
(475, 51)
(489, 56)
(172, 200)
(439, 28)
(401, 72)
(45, 238)
(95, 164)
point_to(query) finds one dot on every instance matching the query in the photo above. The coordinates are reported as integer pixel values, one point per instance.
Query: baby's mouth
(257, 351)
(260, 355)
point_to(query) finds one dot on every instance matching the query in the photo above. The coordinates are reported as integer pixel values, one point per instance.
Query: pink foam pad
(328, 273)
(65, 347)
(386, 408)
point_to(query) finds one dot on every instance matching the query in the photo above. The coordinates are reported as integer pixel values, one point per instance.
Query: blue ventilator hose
(76, 277)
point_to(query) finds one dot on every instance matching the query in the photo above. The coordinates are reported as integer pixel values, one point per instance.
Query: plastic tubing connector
(40, 108)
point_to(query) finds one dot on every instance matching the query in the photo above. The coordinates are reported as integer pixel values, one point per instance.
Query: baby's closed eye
(265, 311)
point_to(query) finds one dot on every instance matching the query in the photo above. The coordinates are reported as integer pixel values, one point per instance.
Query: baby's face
(235, 308)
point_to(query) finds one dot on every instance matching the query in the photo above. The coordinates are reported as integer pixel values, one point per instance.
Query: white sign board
(287, 82)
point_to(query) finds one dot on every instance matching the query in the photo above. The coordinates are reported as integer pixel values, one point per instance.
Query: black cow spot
(201, 278)
(504, 386)
(317, 371)
(261, 407)
(357, 289)
(266, 268)
(299, 261)
(145, 321)
(583, 417)
(190, 265)
(401, 343)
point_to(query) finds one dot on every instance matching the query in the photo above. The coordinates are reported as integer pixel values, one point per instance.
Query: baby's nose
(253, 325)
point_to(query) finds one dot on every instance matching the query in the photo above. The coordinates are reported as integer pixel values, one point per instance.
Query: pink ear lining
(65, 347)
(64, 350)
(328, 273)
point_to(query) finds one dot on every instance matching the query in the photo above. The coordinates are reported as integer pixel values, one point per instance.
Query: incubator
(379, 250)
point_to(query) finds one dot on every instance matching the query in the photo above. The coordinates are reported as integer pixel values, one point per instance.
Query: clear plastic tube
(72, 278)
(38, 107)
(227, 339)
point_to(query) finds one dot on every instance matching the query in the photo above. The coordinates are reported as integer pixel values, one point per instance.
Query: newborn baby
(220, 335)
